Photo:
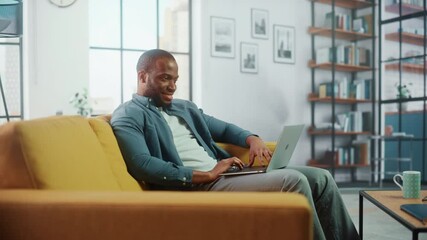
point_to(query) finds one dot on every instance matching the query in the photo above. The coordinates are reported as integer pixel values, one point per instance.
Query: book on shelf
(346, 89)
(327, 89)
(354, 121)
(361, 89)
(344, 54)
(357, 154)
(362, 151)
(342, 21)
(324, 55)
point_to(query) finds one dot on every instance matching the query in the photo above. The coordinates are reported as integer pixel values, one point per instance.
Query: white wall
(57, 65)
(56, 56)
(262, 102)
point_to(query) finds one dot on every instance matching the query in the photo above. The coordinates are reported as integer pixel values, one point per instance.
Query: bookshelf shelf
(339, 67)
(315, 163)
(410, 38)
(312, 97)
(339, 33)
(328, 132)
(352, 87)
(349, 4)
(406, 67)
(406, 8)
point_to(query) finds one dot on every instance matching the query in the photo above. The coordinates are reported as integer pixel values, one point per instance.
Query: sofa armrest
(43, 214)
(243, 153)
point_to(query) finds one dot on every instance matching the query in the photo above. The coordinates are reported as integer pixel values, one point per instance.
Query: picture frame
(222, 37)
(248, 57)
(284, 44)
(259, 23)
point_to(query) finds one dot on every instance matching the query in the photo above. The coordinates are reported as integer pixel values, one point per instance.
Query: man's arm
(222, 131)
(140, 162)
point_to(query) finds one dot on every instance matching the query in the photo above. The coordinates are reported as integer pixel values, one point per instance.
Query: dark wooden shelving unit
(333, 33)
(13, 11)
(394, 21)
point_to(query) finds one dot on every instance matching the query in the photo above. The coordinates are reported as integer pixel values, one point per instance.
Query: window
(120, 31)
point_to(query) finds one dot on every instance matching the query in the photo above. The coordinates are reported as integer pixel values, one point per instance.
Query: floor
(377, 225)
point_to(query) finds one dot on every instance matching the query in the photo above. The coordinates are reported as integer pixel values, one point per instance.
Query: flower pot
(403, 105)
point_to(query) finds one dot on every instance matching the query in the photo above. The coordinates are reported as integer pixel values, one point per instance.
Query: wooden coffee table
(389, 202)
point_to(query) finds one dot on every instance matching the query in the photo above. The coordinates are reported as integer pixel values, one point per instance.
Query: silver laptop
(285, 147)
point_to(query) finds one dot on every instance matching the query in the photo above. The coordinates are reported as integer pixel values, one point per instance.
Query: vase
(403, 106)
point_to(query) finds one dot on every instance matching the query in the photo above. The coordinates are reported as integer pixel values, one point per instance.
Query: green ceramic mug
(411, 183)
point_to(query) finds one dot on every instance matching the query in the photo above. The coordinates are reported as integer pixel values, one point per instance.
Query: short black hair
(149, 57)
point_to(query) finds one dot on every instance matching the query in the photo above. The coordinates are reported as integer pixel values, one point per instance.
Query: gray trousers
(331, 219)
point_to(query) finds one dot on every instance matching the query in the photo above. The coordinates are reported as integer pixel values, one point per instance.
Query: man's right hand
(220, 167)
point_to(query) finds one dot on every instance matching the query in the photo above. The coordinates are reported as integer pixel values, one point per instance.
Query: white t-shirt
(191, 153)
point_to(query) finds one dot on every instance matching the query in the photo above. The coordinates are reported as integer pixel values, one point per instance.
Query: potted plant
(403, 92)
(80, 101)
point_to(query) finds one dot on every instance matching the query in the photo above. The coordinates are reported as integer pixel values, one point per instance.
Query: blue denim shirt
(146, 140)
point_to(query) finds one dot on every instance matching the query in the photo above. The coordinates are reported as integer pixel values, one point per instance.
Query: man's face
(160, 81)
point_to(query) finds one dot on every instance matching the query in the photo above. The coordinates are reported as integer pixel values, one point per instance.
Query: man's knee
(295, 181)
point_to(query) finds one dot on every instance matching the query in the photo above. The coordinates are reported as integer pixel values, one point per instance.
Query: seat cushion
(64, 153)
(111, 149)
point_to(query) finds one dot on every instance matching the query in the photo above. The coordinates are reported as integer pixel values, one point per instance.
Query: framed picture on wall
(259, 21)
(284, 44)
(248, 57)
(222, 37)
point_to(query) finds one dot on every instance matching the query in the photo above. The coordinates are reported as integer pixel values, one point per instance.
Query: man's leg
(282, 180)
(333, 215)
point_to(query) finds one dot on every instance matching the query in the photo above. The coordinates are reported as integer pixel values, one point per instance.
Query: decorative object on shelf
(284, 44)
(402, 91)
(388, 130)
(62, 3)
(248, 57)
(259, 23)
(80, 101)
(222, 37)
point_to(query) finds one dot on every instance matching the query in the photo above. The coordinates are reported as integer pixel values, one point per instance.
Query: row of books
(342, 21)
(354, 121)
(361, 24)
(344, 88)
(357, 153)
(344, 54)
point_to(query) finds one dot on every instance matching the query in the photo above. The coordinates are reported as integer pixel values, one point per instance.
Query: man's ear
(142, 76)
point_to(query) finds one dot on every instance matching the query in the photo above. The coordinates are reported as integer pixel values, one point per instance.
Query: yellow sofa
(64, 178)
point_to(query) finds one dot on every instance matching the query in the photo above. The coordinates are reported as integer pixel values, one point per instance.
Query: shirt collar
(148, 102)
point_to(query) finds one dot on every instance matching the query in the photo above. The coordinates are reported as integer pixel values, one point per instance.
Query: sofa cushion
(111, 149)
(64, 153)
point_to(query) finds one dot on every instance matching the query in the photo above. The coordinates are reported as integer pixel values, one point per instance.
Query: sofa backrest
(62, 152)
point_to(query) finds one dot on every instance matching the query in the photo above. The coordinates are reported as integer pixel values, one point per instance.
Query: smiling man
(170, 144)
